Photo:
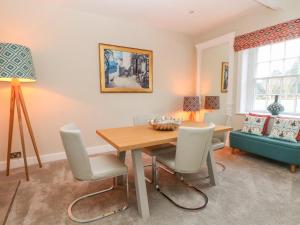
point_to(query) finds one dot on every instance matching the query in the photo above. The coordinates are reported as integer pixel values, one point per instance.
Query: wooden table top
(134, 137)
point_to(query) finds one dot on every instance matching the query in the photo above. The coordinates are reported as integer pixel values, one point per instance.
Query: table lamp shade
(191, 103)
(212, 102)
(16, 62)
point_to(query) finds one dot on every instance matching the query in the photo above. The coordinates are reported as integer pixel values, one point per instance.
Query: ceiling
(186, 16)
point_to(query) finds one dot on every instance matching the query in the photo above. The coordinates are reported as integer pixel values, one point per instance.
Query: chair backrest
(142, 119)
(218, 119)
(76, 152)
(193, 145)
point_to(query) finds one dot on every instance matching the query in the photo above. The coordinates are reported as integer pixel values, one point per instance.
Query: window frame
(252, 79)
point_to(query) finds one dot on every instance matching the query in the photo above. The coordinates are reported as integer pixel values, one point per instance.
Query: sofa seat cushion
(280, 150)
(268, 140)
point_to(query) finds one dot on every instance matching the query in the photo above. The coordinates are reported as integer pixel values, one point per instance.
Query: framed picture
(224, 77)
(124, 69)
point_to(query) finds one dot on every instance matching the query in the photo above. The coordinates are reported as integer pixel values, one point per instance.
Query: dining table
(135, 138)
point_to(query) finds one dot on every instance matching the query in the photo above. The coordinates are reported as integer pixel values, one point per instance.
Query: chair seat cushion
(158, 149)
(107, 166)
(167, 158)
(217, 143)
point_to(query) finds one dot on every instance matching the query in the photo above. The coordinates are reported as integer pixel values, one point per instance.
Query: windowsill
(267, 114)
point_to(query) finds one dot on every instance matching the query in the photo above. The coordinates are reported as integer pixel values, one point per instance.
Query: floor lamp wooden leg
(11, 126)
(29, 127)
(21, 131)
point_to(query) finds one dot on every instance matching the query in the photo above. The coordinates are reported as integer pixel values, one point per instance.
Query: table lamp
(212, 102)
(16, 66)
(191, 104)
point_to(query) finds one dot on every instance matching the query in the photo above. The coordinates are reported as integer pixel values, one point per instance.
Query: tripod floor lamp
(16, 66)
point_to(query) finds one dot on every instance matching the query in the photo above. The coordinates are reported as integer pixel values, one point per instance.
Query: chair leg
(167, 170)
(125, 206)
(222, 166)
(146, 178)
(175, 203)
(153, 171)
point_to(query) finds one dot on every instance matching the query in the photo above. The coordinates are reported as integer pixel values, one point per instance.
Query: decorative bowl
(165, 123)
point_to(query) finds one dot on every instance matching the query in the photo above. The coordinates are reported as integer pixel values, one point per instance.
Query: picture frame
(125, 69)
(224, 77)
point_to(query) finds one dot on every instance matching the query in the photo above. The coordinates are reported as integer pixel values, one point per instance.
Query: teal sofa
(280, 150)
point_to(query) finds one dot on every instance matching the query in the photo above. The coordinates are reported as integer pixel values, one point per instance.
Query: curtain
(269, 35)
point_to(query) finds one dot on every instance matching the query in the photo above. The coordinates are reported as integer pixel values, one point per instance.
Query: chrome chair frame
(125, 206)
(211, 117)
(153, 171)
(189, 185)
(191, 151)
(143, 120)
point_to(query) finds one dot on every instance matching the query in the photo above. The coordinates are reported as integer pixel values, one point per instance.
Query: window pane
(292, 48)
(288, 102)
(263, 53)
(292, 66)
(277, 51)
(298, 86)
(260, 102)
(277, 68)
(289, 85)
(261, 87)
(274, 86)
(263, 69)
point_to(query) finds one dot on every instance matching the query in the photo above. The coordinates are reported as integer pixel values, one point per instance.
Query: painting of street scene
(125, 69)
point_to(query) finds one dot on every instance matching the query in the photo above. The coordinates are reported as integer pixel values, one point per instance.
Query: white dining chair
(189, 156)
(153, 150)
(219, 139)
(85, 168)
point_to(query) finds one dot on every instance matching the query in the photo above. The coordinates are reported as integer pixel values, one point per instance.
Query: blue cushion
(280, 150)
(268, 139)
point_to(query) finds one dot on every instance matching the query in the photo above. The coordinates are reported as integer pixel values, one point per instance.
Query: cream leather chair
(90, 169)
(219, 140)
(190, 155)
(153, 150)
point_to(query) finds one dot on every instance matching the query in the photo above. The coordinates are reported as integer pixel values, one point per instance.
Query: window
(273, 70)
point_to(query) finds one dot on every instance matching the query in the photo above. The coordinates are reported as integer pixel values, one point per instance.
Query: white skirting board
(16, 163)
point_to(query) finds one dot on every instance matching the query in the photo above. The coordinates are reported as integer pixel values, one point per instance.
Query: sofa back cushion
(286, 129)
(268, 117)
(270, 125)
(254, 125)
(297, 119)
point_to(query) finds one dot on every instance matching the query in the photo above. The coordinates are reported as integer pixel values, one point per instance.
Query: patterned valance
(277, 33)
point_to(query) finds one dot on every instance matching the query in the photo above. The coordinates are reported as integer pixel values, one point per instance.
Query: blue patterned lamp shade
(16, 62)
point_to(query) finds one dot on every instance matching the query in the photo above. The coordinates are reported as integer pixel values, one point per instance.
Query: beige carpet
(8, 190)
(251, 191)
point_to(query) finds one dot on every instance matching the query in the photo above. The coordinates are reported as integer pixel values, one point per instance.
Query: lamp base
(193, 116)
(16, 99)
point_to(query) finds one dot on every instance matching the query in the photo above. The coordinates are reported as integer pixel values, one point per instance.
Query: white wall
(211, 66)
(64, 45)
(254, 19)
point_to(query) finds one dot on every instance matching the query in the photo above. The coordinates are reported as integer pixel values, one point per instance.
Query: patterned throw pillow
(254, 125)
(286, 129)
(265, 130)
